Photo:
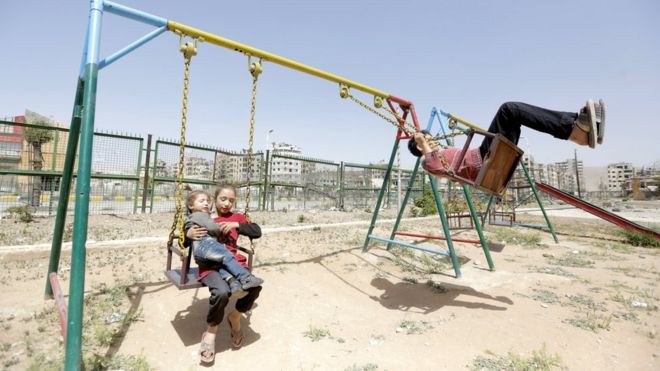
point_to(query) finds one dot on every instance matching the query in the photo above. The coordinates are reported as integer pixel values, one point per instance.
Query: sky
(464, 57)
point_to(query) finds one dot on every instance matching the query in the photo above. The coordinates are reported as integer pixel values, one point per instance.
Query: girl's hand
(196, 232)
(226, 227)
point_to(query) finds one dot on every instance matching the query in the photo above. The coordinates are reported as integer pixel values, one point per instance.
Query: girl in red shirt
(231, 225)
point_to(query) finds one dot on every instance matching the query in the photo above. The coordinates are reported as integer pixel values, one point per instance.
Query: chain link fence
(129, 177)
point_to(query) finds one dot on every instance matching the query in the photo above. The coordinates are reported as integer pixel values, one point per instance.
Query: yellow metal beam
(248, 50)
(465, 122)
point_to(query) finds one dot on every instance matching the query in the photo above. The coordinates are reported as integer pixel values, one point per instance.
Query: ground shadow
(425, 298)
(189, 324)
(135, 300)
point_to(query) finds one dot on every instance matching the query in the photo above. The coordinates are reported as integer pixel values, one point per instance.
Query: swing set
(80, 140)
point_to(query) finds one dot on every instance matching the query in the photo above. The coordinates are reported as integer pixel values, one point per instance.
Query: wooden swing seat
(498, 166)
(186, 277)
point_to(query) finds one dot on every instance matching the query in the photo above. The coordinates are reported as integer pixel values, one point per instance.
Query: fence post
(145, 186)
(265, 192)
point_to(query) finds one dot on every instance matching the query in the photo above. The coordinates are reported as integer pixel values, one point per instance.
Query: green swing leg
(477, 225)
(386, 179)
(538, 200)
(411, 183)
(445, 226)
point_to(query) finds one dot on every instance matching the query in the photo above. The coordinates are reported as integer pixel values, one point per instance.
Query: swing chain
(189, 50)
(406, 127)
(255, 69)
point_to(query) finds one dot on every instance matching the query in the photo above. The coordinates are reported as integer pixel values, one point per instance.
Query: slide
(593, 209)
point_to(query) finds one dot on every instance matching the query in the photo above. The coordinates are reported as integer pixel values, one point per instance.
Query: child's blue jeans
(208, 251)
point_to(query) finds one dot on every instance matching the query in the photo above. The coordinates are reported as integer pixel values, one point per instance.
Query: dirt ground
(589, 302)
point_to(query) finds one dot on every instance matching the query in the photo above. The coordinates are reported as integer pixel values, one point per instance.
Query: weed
(424, 205)
(579, 300)
(415, 327)
(316, 334)
(301, 218)
(410, 280)
(592, 321)
(437, 288)
(316, 229)
(544, 296)
(117, 362)
(540, 360)
(571, 260)
(508, 235)
(367, 367)
(639, 239)
(22, 213)
(557, 271)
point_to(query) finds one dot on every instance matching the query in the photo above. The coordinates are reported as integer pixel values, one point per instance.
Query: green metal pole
(411, 183)
(477, 225)
(53, 165)
(137, 172)
(380, 195)
(78, 253)
(153, 180)
(65, 186)
(538, 200)
(445, 226)
(490, 203)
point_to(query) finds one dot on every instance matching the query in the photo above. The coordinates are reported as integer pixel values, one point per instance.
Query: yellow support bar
(248, 50)
(465, 122)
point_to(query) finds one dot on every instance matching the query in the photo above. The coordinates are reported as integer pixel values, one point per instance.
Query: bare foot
(234, 319)
(579, 136)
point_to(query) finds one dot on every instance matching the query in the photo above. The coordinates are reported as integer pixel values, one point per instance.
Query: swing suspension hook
(255, 68)
(189, 49)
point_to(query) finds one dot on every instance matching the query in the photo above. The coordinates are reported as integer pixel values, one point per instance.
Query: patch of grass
(579, 300)
(117, 362)
(316, 333)
(22, 213)
(415, 327)
(539, 360)
(571, 260)
(556, 271)
(544, 296)
(437, 288)
(592, 321)
(509, 235)
(412, 280)
(639, 239)
(367, 367)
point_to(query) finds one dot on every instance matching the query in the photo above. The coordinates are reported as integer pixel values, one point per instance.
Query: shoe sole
(601, 123)
(591, 114)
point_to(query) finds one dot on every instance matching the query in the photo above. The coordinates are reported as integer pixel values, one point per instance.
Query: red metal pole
(60, 304)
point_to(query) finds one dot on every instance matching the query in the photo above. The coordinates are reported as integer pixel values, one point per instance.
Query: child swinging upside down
(586, 127)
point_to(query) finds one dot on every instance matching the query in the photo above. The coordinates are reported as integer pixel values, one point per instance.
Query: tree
(36, 137)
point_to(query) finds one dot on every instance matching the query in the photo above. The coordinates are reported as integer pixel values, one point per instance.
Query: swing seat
(186, 277)
(498, 166)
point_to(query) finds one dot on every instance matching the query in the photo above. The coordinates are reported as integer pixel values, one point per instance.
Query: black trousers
(512, 115)
(219, 298)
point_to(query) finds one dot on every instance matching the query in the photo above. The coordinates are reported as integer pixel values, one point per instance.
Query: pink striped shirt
(469, 167)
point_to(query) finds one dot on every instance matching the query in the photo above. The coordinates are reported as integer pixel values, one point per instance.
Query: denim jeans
(512, 115)
(209, 252)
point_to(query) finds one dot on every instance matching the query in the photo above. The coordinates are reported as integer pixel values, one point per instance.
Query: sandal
(206, 350)
(600, 120)
(236, 337)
